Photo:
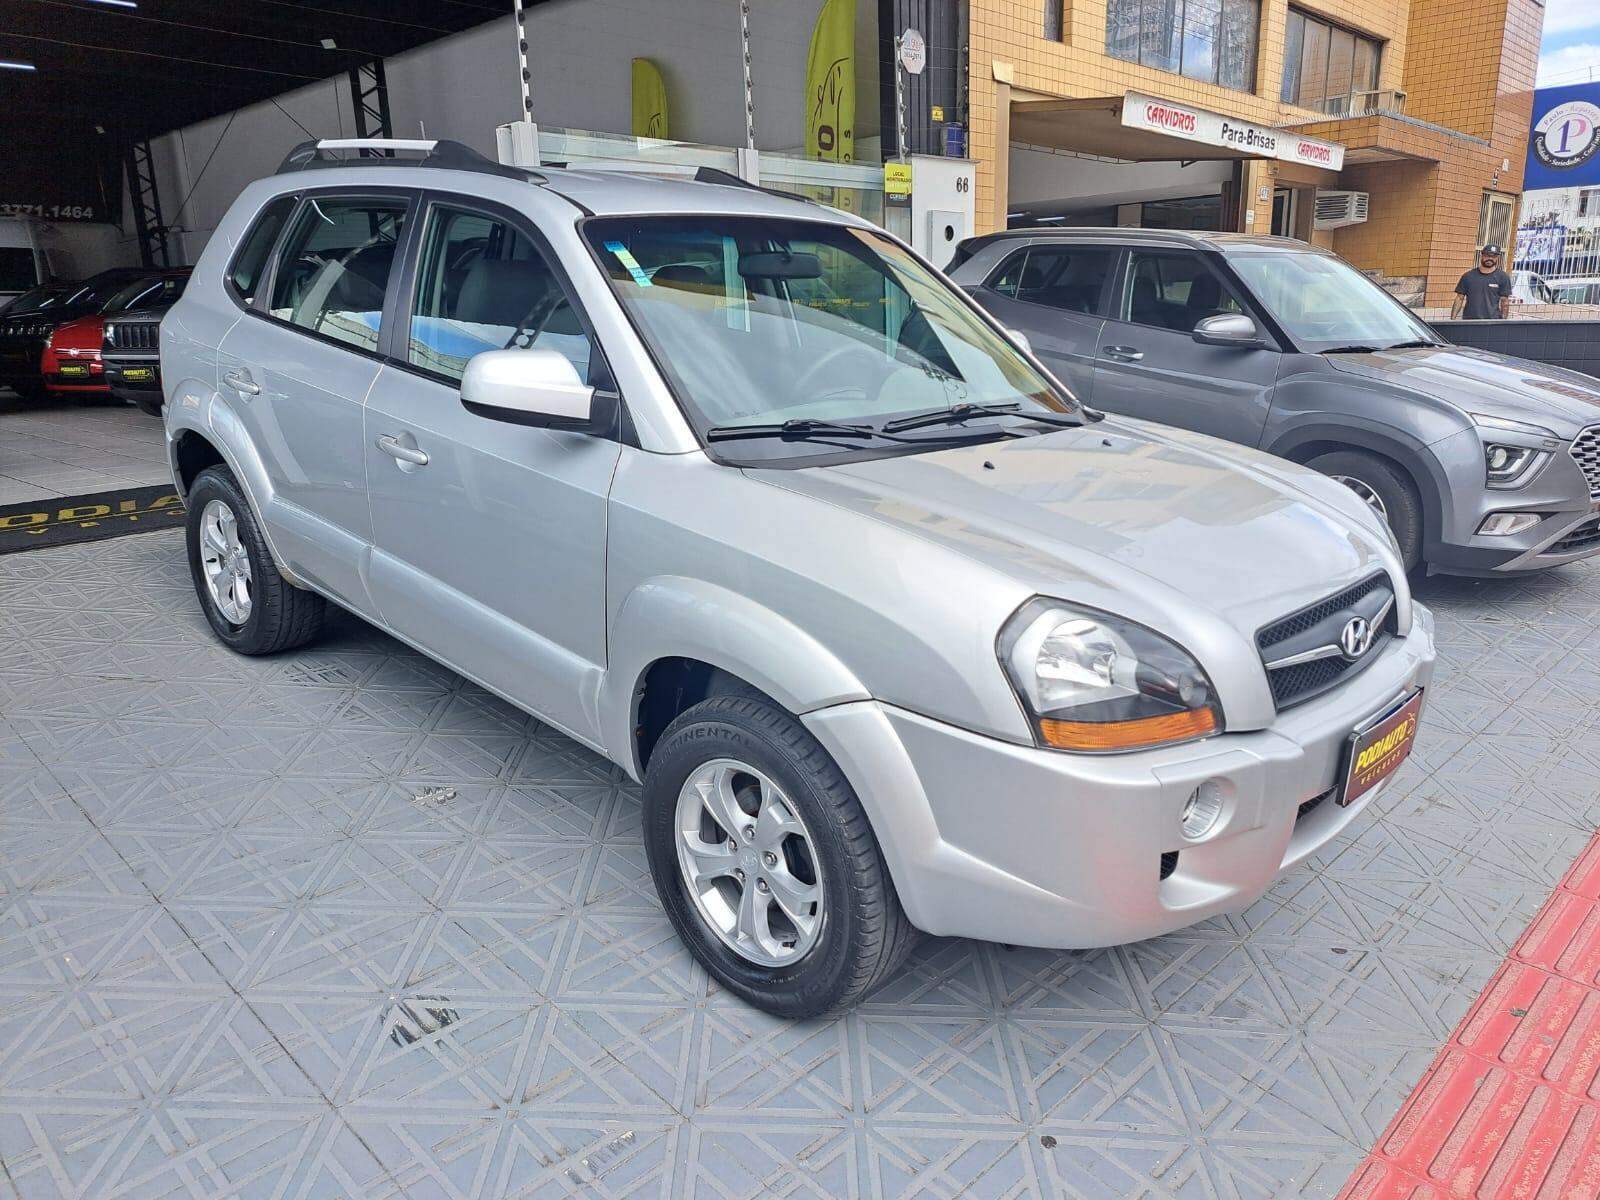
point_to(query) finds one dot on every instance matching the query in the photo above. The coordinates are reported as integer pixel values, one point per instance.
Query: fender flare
(680, 617)
(1433, 487)
(195, 408)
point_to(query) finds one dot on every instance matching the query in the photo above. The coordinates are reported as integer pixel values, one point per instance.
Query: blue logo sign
(1564, 142)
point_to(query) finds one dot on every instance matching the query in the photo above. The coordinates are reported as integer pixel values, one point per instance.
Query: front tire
(1383, 488)
(792, 908)
(251, 607)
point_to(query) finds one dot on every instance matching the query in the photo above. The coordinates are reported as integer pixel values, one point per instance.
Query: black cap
(1492, 249)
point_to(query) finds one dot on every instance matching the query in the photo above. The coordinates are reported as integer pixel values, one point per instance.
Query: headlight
(1093, 682)
(1505, 465)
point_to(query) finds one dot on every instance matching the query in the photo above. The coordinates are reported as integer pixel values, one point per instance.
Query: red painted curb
(1510, 1107)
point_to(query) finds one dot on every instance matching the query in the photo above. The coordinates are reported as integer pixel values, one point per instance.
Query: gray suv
(1481, 464)
(739, 493)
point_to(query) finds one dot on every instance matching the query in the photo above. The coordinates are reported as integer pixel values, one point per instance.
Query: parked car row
(1480, 464)
(897, 632)
(68, 339)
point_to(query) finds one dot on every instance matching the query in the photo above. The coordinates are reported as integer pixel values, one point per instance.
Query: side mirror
(1021, 339)
(1228, 329)
(540, 388)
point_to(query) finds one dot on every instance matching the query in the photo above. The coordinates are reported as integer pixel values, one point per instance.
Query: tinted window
(1065, 277)
(484, 285)
(249, 266)
(144, 293)
(1173, 291)
(335, 267)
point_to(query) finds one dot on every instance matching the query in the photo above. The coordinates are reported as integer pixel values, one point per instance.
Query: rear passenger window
(1066, 277)
(250, 265)
(334, 269)
(484, 285)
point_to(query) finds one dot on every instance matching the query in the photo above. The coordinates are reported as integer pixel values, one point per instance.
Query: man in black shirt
(1485, 292)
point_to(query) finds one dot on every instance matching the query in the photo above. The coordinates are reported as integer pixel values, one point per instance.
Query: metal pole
(524, 75)
(749, 90)
(899, 102)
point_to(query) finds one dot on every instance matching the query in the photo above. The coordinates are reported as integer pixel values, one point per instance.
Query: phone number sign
(47, 211)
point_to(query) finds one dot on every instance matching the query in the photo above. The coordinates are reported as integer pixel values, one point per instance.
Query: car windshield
(760, 321)
(141, 293)
(1326, 304)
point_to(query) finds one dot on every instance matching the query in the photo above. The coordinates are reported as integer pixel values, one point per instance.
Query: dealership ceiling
(86, 75)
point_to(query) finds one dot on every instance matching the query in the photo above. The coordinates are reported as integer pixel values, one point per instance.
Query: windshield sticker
(626, 258)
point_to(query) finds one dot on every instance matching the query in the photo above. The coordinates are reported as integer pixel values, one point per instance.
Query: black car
(131, 354)
(24, 331)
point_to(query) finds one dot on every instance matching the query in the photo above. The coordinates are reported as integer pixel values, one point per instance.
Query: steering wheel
(805, 383)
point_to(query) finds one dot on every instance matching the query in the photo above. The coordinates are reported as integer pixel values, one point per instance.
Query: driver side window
(1173, 291)
(335, 267)
(484, 285)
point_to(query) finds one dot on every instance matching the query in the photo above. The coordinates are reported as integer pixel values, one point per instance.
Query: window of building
(335, 265)
(1191, 212)
(1589, 202)
(1210, 40)
(1494, 219)
(1054, 19)
(485, 286)
(1327, 68)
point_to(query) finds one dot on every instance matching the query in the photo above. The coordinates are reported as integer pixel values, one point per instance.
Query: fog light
(1503, 524)
(1202, 810)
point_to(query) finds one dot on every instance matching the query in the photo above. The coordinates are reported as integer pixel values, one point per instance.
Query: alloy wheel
(749, 863)
(1368, 494)
(225, 561)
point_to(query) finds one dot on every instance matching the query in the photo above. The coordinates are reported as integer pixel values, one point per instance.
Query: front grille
(23, 330)
(1169, 863)
(1585, 450)
(1581, 538)
(1317, 626)
(133, 335)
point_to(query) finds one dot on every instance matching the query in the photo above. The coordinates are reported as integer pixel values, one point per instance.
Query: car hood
(1492, 384)
(1149, 522)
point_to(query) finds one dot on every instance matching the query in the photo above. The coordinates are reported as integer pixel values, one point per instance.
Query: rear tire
(251, 607)
(856, 935)
(1385, 489)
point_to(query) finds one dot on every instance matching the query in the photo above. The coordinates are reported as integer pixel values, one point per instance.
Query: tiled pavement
(52, 448)
(340, 924)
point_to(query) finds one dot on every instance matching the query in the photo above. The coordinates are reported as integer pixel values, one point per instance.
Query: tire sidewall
(1405, 515)
(212, 484)
(811, 984)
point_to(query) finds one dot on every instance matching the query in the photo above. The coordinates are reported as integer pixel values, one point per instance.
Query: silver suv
(1482, 464)
(736, 491)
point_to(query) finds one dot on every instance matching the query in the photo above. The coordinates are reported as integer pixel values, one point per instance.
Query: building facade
(1269, 112)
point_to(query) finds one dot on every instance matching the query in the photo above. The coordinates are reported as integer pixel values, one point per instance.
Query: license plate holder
(1377, 748)
(72, 370)
(138, 374)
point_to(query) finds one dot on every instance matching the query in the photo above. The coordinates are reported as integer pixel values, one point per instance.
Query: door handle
(1124, 353)
(241, 382)
(396, 449)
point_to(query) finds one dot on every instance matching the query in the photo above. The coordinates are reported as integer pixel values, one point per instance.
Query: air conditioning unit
(1335, 210)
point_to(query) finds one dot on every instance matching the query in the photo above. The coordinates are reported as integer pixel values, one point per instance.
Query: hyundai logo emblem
(1355, 639)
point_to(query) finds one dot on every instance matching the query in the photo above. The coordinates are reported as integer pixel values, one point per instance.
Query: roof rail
(729, 179)
(441, 154)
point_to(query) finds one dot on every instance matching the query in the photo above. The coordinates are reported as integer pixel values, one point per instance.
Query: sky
(1571, 49)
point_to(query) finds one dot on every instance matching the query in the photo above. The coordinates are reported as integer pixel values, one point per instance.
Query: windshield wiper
(958, 413)
(1357, 349)
(800, 428)
(1419, 344)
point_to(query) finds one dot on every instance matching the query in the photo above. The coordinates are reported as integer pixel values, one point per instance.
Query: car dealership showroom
(579, 617)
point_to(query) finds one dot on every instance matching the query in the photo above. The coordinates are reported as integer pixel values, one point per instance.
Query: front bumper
(1009, 843)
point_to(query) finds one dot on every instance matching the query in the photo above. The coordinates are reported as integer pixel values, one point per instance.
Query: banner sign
(1540, 244)
(1253, 141)
(1564, 140)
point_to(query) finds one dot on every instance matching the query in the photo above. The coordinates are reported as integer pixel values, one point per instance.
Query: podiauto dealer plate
(1377, 751)
(138, 374)
(73, 370)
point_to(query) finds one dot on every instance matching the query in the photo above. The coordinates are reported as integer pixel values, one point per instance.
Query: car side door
(1054, 293)
(296, 371)
(490, 536)
(1149, 364)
